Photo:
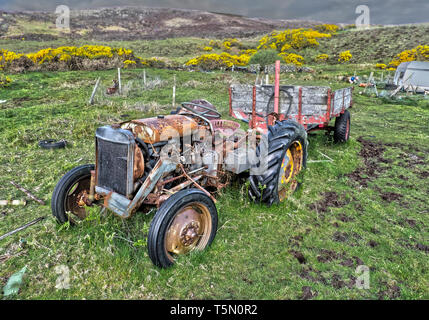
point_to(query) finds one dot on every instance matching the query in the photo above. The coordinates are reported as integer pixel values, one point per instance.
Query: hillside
(131, 23)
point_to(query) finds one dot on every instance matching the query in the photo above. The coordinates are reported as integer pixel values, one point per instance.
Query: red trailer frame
(315, 118)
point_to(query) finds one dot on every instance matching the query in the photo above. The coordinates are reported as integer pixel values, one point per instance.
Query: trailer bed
(312, 106)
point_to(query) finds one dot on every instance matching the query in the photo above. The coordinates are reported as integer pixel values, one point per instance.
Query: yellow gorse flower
(292, 58)
(67, 53)
(345, 56)
(223, 59)
(418, 53)
(322, 57)
(292, 39)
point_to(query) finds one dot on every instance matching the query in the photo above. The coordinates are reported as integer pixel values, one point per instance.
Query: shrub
(292, 39)
(215, 44)
(227, 44)
(345, 56)
(329, 28)
(322, 57)
(292, 58)
(129, 64)
(216, 61)
(265, 57)
(89, 57)
(420, 53)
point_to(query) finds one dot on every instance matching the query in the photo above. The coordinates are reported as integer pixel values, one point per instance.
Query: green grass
(252, 254)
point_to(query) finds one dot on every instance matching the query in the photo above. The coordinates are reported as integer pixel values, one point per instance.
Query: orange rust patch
(152, 130)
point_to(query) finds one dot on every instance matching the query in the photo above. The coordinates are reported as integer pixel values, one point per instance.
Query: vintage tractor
(178, 162)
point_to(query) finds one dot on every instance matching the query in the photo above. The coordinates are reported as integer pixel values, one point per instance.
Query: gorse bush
(282, 45)
(89, 57)
(345, 56)
(297, 39)
(322, 57)
(419, 53)
(265, 57)
(292, 58)
(216, 61)
(329, 28)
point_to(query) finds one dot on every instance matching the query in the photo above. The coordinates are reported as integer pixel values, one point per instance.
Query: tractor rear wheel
(287, 156)
(342, 127)
(186, 221)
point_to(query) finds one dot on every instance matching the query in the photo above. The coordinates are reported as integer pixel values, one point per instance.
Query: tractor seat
(224, 128)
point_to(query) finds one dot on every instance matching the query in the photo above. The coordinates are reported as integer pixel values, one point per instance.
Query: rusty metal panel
(161, 128)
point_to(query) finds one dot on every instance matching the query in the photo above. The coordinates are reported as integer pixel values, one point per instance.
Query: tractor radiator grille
(115, 157)
(112, 166)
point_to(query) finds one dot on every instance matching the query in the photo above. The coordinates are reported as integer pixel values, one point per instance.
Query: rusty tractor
(177, 163)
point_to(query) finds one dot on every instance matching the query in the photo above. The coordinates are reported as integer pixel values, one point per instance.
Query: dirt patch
(391, 292)
(329, 255)
(308, 293)
(299, 256)
(374, 230)
(247, 280)
(337, 282)
(351, 238)
(422, 247)
(372, 154)
(330, 200)
(408, 244)
(308, 273)
(340, 236)
(412, 223)
(345, 218)
(390, 196)
(372, 243)
(423, 175)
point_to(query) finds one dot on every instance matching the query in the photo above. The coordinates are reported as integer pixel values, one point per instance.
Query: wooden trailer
(311, 106)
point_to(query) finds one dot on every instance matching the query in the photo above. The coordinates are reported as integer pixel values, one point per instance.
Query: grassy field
(367, 207)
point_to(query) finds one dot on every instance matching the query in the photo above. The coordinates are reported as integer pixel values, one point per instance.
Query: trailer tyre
(342, 127)
(186, 221)
(286, 156)
(69, 191)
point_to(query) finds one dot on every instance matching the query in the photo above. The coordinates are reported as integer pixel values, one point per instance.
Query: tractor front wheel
(71, 193)
(186, 221)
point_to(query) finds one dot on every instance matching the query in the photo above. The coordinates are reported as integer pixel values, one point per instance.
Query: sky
(335, 11)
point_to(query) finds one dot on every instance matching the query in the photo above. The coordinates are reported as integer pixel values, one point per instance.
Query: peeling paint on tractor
(161, 128)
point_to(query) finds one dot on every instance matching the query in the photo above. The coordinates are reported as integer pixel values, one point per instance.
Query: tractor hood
(161, 128)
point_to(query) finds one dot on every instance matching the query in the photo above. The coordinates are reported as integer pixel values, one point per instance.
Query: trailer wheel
(186, 221)
(342, 127)
(70, 192)
(287, 156)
